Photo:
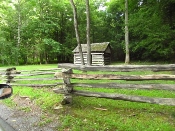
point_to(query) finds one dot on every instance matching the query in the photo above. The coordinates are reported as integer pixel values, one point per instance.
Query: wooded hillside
(33, 32)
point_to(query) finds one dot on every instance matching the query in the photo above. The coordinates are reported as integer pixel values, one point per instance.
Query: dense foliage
(42, 31)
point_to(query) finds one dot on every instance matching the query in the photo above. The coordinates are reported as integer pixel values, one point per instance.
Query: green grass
(44, 97)
(99, 114)
(122, 116)
(119, 115)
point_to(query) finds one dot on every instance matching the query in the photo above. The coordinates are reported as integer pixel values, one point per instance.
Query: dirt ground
(26, 116)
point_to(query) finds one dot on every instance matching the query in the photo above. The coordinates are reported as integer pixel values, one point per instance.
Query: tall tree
(127, 57)
(19, 29)
(76, 31)
(88, 33)
(18, 5)
(151, 30)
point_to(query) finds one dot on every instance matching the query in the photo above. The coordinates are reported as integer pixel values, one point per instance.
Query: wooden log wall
(99, 59)
(114, 85)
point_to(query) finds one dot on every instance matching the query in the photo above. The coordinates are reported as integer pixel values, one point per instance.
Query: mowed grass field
(99, 114)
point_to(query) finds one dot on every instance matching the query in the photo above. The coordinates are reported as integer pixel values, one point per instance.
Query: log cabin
(100, 53)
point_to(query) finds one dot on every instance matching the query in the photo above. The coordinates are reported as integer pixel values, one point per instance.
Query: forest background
(42, 31)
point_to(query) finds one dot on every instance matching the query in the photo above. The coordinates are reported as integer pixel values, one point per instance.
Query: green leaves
(47, 32)
(150, 35)
(55, 47)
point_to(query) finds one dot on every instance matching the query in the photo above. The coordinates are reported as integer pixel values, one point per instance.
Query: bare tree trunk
(19, 31)
(88, 33)
(76, 31)
(127, 59)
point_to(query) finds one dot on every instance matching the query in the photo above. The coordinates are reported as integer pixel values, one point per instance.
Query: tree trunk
(76, 31)
(88, 33)
(127, 59)
(19, 31)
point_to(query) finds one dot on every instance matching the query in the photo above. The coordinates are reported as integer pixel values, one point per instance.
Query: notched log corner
(59, 90)
(10, 69)
(63, 89)
(58, 75)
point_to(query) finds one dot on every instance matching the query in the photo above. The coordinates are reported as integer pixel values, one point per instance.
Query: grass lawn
(98, 114)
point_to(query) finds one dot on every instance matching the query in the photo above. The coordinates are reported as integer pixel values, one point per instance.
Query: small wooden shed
(100, 53)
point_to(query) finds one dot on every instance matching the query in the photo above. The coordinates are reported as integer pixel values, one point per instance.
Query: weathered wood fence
(31, 78)
(112, 77)
(68, 77)
(7, 74)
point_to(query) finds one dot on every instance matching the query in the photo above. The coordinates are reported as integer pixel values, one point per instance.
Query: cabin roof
(95, 47)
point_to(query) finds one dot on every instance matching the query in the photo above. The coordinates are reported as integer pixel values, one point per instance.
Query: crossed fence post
(67, 87)
(9, 74)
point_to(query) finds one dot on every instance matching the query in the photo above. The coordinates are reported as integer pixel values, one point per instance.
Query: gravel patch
(26, 116)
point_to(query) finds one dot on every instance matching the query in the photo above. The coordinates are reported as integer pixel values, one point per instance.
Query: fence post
(8, 73)
(67, 87)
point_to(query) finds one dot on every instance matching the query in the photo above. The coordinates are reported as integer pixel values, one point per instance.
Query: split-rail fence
(68, 77)
(109, 77)
(30, 78)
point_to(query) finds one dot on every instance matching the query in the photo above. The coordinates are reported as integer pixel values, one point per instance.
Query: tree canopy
(33, 32)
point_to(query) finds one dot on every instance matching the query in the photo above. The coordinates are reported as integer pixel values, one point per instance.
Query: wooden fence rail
(111, 80)
(7, 74)
(29, 77)
(69, 77)
(122, 68)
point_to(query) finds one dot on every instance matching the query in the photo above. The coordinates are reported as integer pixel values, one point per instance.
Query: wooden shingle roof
(95, 47)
